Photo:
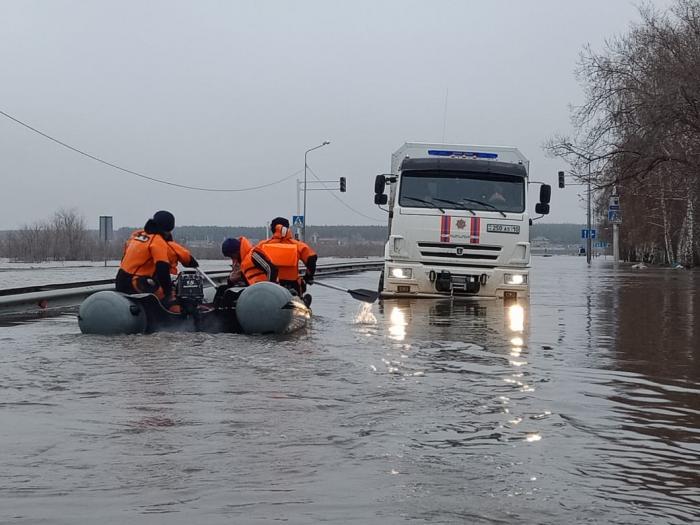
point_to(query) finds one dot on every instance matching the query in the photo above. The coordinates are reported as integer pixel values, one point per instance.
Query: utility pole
(306, 166)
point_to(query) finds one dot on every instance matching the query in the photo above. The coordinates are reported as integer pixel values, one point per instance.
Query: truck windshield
(468, 190)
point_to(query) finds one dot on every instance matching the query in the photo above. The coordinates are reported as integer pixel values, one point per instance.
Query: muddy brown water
(580, 405)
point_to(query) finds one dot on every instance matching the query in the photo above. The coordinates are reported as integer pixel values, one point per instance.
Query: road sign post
(106, 233)
(298, 224)
(615, 218)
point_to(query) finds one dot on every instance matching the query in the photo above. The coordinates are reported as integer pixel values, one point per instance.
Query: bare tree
(640, 129)
(64, 237)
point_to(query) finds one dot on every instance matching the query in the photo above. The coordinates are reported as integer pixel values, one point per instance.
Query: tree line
(65, 237)
(638, 132)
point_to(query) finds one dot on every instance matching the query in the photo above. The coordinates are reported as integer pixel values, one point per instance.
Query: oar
(368, 296)
(201, 272)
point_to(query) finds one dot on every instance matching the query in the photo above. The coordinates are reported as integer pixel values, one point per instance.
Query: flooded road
(579, 406)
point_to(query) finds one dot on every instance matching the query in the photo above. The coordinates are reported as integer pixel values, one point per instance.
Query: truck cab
(458, 221)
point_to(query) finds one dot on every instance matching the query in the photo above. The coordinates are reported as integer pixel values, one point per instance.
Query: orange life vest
(285, 253)
(246, 246)
(285, 257)
(143, 250)
(141, 253)
(252, 273)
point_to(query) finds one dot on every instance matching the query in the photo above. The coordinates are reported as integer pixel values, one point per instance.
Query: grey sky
(231, 94)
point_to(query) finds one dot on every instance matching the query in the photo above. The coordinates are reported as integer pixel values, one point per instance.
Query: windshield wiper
(458, 204)
(481, 203)
(423, 201)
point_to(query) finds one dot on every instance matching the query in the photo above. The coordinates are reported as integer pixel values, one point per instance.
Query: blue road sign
(614, 216)
(585, 234)
(298, 221)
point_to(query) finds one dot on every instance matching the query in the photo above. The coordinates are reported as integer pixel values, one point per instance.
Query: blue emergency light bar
(462, 154)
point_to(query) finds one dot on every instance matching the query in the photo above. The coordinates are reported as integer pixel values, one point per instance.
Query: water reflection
(483, 342)
(516, 317)
(397, 329)
(450, 317)
(652, 387)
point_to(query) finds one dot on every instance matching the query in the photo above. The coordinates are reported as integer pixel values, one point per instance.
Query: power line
(131, 172)
(341, 201)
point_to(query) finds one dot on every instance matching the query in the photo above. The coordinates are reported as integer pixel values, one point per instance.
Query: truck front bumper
(420, 280)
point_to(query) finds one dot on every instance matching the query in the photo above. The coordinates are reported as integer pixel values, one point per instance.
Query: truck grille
(453, 254)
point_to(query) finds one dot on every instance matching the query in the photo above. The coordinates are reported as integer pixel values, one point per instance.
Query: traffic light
(561, 179)
(342, 184)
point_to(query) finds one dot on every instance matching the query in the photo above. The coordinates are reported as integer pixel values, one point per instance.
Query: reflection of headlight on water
(516, 317)
(398, 324)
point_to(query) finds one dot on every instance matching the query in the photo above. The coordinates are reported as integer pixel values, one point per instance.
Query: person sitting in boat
(285, 252)
(150, 257)
(248, 265)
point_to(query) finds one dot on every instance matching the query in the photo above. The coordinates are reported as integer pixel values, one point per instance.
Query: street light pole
(303, 227)
(589, 160)
(588, 240)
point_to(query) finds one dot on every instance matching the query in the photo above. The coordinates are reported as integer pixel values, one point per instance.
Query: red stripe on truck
(445, 223)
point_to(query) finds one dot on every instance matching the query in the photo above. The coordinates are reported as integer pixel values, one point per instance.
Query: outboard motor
(189, 290)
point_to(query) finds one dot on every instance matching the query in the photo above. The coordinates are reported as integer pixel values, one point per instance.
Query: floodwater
(15, 275)
(579, 406)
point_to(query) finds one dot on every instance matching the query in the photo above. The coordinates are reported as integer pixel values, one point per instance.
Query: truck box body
(458, 222)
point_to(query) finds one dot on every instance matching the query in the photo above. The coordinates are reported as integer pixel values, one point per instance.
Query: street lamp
(303, 228)
(588, 160)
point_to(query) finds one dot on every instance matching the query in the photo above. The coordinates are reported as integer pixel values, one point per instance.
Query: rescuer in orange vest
(249, 265)
(150, 257)
(285, 252)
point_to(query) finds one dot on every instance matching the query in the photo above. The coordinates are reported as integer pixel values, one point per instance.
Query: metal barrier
(44, 298)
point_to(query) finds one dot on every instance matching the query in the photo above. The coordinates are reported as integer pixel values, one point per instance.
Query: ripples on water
(579, 406)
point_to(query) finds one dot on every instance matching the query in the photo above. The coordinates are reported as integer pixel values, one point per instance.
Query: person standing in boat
(285, 252)
(248, 264)
(150, 257)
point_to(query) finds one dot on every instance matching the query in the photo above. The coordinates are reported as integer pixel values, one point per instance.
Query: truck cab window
(505, 193)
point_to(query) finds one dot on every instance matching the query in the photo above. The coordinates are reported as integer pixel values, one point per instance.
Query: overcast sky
(229, 94)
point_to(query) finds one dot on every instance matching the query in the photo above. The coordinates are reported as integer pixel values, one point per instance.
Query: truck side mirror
(541, 208)
(379, 184)
(382, 198)
(545, 193)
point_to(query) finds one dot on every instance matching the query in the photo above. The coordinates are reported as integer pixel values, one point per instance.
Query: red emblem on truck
(461, 224)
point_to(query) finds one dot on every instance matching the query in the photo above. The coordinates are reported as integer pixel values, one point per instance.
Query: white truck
(458, 221)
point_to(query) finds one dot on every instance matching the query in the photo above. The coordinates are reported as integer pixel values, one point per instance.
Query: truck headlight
(402, 273)
(515, 278)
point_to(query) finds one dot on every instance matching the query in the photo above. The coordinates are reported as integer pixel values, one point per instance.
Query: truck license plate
(503, 228)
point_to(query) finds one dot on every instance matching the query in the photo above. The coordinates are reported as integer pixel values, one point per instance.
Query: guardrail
(31, 300)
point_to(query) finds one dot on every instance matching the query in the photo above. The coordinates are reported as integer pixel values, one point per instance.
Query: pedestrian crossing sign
(298, 221)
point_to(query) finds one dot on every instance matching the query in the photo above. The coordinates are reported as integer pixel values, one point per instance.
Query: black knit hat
(278, 220)
(231, 247)
(164, 220)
